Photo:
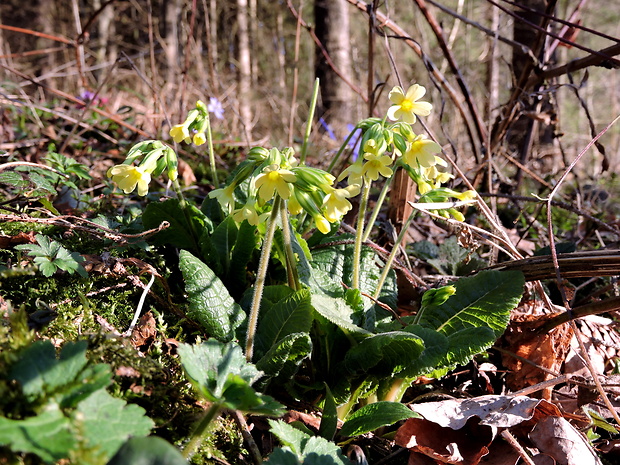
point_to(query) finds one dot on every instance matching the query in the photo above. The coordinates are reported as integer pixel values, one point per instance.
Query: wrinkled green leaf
(210, 303)
(485, 299)
(293, 314)
(384, 354)
(183, 232)
(243, 248)
(335, 310)
(375, 415)
(284, 357)
(329, 417)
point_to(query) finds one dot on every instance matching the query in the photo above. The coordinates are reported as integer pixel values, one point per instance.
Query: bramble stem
(359, 233)
(260, 277)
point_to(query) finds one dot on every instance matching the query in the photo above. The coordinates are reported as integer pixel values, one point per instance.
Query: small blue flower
(328, 129)
(215, 107)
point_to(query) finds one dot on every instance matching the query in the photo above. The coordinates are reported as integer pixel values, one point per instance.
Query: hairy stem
(392, 256)
(359, 233)
(260, 277)
(375, 211)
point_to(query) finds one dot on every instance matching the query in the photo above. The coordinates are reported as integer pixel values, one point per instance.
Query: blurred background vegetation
(515, 93)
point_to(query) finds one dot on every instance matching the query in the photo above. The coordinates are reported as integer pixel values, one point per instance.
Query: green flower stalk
(357, 249)
(304, 146)
(261, 275)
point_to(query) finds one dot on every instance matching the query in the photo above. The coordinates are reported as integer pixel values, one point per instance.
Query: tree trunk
(332, 29)
(529, 131)
(245, 67)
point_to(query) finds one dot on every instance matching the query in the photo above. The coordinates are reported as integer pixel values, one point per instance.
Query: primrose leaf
(220, 373)
(335, 310)
(243, 248)
(384, 354)
(210, 303)
(284, 357)
(182, 232)
(151, 450)
(106, 422)
(292, 314)
(222, 239)
(48, 435)
(485, 299)
(375, 415)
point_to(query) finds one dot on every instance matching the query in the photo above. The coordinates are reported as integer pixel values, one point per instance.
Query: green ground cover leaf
(48, 435)
(106, 423)
(375, 415)
(221, 374)
(210, 303)
(308, 450)
(40, 373)
(151, 450)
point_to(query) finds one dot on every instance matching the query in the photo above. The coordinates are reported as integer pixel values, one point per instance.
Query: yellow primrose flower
(248, 212)
(336, 204)
(440, 177)
(421, 151)
(406, 106)
(199, 138)
(294, 207)
(225, 196)
(467, 195)
(272, 179)
(127, 177)
(179, 133)
(376, 165)
(354, 173)
(424, 187)
(322, 224)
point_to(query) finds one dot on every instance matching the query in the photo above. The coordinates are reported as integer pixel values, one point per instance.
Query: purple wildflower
(328, 129)
(215, 107)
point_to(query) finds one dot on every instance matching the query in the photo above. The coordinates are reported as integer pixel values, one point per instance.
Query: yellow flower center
(406, 105)
(273, 176)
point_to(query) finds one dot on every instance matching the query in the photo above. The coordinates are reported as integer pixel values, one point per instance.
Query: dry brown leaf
(548, 350)
(145, 331)
(556, 437)
(465, 446)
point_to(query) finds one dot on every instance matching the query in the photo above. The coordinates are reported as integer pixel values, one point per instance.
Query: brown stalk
(438, 31)
(434, 71)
